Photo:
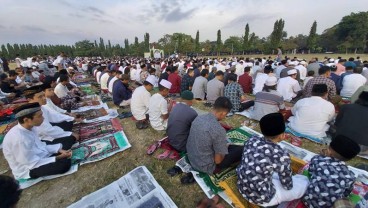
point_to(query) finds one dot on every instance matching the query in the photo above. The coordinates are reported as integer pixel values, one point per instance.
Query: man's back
(215, 89)
(351, 83)
(199, 87)
(245, 82)
(331, 87)
(206, 138)
(178, 126)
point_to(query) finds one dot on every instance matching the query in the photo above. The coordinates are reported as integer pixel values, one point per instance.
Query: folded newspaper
(137, 189)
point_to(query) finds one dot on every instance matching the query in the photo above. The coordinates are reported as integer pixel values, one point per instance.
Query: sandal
(151, 149)
(163, 155)
(174, 171)
(187, 179)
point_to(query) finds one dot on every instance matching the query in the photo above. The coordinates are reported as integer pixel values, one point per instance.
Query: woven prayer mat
(313, 139)
(100, 148)
(4, 130)
(93, 113)
(89, 131)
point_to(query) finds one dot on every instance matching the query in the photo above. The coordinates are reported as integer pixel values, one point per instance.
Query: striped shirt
(266, 103)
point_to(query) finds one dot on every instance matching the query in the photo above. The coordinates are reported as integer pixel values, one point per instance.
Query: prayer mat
(89, 131)
(25, 183)
(313, 139)
(93, 113)
(4, 130)
(7, 119)
(101, 148)
(105, 97)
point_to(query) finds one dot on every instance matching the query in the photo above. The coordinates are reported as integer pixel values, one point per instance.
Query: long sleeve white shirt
(61, 90)
(54, 107)
(24, 151)
(351, 83)
(288, 87)
(54, 116)
(310, 116)
(139, 103)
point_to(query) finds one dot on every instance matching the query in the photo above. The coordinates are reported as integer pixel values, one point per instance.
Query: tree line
(350, 35)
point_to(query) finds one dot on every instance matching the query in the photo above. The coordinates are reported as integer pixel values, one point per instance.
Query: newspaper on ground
(25, 183)
(137, 189)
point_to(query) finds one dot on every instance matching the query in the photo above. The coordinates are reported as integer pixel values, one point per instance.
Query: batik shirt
(261, 159)
(186, 82)
(330, 180)
(234, 91)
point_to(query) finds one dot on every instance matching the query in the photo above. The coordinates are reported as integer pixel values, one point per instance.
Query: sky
(69, 21)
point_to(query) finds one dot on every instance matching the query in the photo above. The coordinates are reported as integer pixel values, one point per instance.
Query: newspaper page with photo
(137, 189)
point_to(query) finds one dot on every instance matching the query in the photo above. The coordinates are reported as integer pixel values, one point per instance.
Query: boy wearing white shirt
(26, 155)
(158, 107)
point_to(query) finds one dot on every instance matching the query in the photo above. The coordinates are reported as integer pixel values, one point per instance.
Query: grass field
(63, 191)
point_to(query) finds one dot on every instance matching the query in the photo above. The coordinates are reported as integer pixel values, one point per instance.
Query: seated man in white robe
(26, 154)
(47, 132)
(158, 108)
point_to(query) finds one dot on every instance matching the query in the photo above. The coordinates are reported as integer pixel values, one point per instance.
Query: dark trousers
(234, 156)
(66, 142)
(246, 105)
(65, 125)
(58, 167)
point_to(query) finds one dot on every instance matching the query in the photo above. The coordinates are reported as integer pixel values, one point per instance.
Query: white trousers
(300, 185)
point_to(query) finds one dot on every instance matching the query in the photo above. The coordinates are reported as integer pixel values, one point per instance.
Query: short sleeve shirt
(206, 138)
(156, 108)
(233, 91)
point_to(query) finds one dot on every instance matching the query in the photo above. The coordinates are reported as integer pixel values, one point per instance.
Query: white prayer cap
(303, 62)
(292, 63)
(151, 79)
(224, 62)
(70, 67)
(271, 81)
(165, 83)
(291, 72)
(332, 60)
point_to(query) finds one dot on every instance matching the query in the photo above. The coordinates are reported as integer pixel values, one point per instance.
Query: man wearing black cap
(27, 155)
(264, 174)
(330, 178)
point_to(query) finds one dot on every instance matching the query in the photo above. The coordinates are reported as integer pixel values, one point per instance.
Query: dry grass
(63, 191)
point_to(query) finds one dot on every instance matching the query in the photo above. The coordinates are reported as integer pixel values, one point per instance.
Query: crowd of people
(39, 145)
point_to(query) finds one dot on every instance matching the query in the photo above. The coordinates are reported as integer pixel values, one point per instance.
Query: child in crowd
(264, 174)
(330, 177)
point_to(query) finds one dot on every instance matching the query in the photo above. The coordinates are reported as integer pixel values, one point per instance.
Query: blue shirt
(120, 92)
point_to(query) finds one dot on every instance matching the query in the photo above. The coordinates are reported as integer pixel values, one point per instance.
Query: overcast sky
(68, 21)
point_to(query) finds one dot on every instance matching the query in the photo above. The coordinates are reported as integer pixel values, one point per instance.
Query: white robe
(24, 151)
(54, 107)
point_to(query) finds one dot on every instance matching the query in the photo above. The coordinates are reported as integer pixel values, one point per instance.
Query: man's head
(191, 72)
(310, 73)
(125, 79)
(35, 95)
(232, 77)
(292, 73)
(175, 70)
(149, 82)
(13, 74)
(358, 70)
(272, 126)
(222, 107)
(219, 75)
(187, 97)
(343, 148)
(320, 90)
(324, 71)
(9, 191)
(267, 69)
(48, 90)
(50, 81)
(64, 79)
(164, 87)
(29, 114)
(204, 73)
(118, 74)
(349, 68)
(247, 69)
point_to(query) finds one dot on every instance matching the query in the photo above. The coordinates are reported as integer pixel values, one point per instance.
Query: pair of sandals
(187, 179)
(210, 203)
(168, 153)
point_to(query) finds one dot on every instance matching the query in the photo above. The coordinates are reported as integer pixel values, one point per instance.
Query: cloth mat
(324, 140)
(99, 148)
(89, 131)
(4, 130)
(25, 183)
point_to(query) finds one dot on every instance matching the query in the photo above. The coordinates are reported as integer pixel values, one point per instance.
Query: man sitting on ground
(289, 87)
(27, 155)
(264, 174)
(187, 81)
(121, 94)
(245, 81)
(158, 107)
(139, 103)
(351, 82)
(215, 88)
(180, 121)
(207, 149)
(235, 93)
(175, 80)
(200, 85)
(330, 177)
(311, 115)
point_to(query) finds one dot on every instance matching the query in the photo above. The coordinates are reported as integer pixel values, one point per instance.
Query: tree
(246, 39)
(4, 51)
(218, 42)
(277, 34)
(233, 44)
(146, 41)
(197, 42)
(312, 38)
(85, 48)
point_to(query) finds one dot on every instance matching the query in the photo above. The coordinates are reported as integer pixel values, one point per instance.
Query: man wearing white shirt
(261, 79)
(311, 115)
(221, 66)
(111, 82)
(158, 107)
(27, 156)
(239, 68)
(104, 79)
(302, 70)
(288, 86)
(140, 101)
(352, 82)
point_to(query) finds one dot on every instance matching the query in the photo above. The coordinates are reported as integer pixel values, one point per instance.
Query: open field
(63, 191)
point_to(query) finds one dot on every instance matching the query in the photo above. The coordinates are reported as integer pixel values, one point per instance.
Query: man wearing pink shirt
(340, 67)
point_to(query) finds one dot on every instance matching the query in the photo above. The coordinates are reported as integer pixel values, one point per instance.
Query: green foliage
(277, 34)
(219, 41)
(312, 38)
(197, 46)
(246, 39)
